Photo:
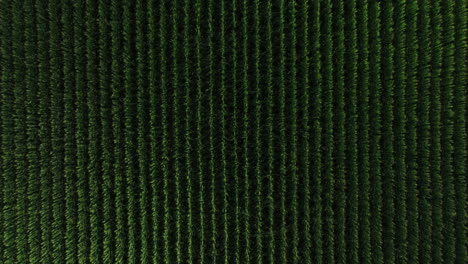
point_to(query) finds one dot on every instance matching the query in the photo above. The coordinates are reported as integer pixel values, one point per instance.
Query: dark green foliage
(448, 140)
(459, 139)
(70, 140)
(400, 145)
(411, 131)
(388, 159)
(32, 122)
(339, 115)
(423, 130)
(363, 132)
(150, 131)
(350, 93)
(328, 180)
(435, 119)
(375, 119)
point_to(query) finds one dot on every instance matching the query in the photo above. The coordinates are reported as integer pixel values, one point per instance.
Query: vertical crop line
(400, 133)
(327, 146)
(8, 159)
(282, 126)
(94, 127)
(56, 86)
(312, 113)
(270, 100)
(375, 133)
(175, 95)
(155, 125)
(211, 88)
(340, 132)
(32, 129)
(200, 166)
(2, 187)
(154, 201)
(423, 129)
(363, 128)
(411, 10)
(71, 237)
(435, 132)
(459, 130)
(388, 159)
(143, 131)
(235, 85)
(305, 138)
(223, 132)
(258, 142)
(350, 78)
(188, 146)
(245, 85)
(165, 140)
(130, 112)
(44, 131)
(294, 165)
(449, 101)
(118, 133)
(81, 136)
(107, 140)
(20, 137)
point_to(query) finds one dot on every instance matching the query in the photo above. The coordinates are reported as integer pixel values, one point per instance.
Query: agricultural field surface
(233, 131)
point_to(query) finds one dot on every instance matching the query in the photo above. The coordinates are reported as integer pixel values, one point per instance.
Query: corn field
(233, 131)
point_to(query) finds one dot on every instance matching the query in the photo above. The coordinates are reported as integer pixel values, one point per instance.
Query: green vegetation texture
(233, 131)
